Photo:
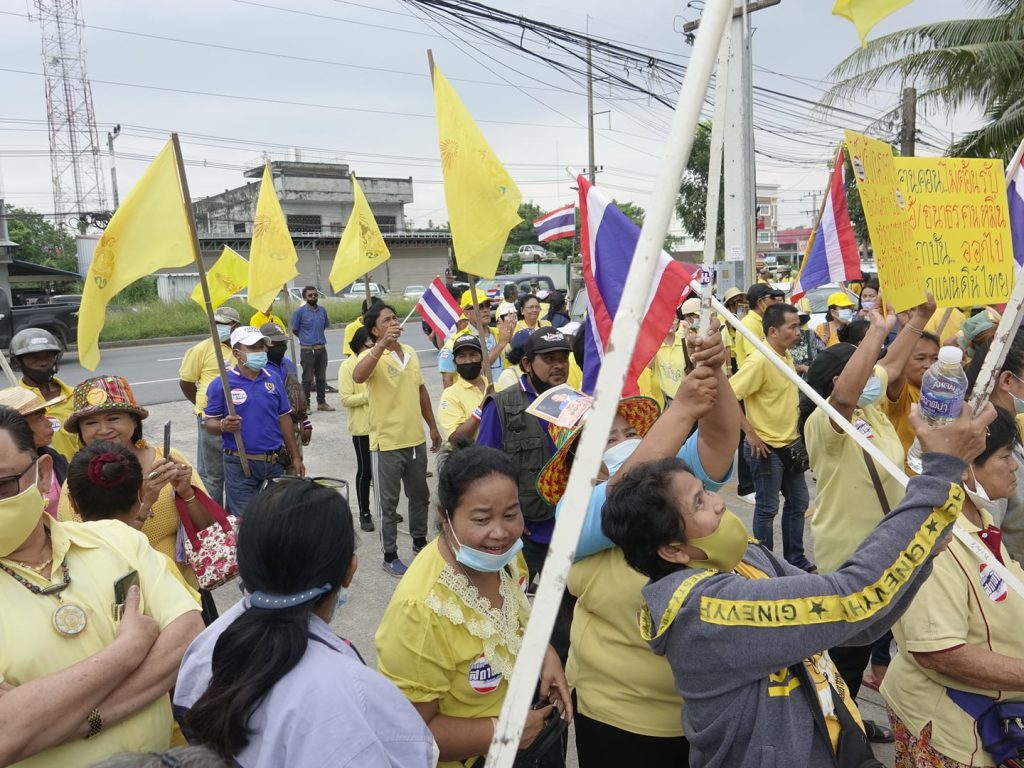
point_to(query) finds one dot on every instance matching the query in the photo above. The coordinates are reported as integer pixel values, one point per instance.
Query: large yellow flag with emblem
(483, 200)
(148, 232)
(272, 256)
(866, 13)
(362, 246)
(228, 275)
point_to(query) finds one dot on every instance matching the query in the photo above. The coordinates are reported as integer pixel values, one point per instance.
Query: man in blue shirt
(262, 415)
(281, 366)
(309, 323)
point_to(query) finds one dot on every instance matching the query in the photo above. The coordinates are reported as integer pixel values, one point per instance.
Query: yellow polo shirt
(97, 554)
(741, 348)
(64, 442)
(354, 397)
(350, 332)
(394, 391)
(840, 524)
(199, 367)
(522, 326)
(260, 318)
(769, 397)
(669, 363)
(457, 405)
(604, 638)
(963, 602)
(648, 384)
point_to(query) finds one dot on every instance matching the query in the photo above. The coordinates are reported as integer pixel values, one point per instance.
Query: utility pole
(908, 128)
(591, 171)
(111, 135)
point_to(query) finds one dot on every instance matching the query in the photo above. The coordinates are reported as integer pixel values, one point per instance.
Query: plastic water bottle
(943, 388)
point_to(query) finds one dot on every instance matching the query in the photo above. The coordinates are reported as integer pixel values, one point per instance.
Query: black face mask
(469, 371)
(540, 387)
(275, 354)
(39, 377)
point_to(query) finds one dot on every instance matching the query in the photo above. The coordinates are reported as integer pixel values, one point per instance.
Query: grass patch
(186, 318)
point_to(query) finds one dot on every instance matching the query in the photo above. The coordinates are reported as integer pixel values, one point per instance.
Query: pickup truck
(60, 319)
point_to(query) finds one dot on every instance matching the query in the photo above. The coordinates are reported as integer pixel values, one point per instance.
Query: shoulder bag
(209, 552)
(1000, 726)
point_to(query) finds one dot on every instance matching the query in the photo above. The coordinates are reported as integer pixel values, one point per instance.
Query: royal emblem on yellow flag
(482, 199)
(866, 13)
(228, 275)
(148, 232)
(272, 256)
(362, 246)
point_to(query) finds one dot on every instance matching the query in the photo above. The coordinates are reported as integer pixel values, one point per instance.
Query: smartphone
(167, 440)
(121, 587)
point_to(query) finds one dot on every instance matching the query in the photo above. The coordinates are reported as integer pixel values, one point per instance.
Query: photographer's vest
(529, 447)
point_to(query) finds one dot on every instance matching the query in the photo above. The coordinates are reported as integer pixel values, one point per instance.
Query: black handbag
(545, 751)
(794, 457)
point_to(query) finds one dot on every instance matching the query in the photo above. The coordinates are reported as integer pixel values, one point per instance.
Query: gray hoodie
(730, 639)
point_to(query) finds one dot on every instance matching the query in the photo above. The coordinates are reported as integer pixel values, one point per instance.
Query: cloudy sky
(347, 81)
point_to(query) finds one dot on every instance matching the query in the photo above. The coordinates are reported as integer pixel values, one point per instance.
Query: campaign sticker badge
(269, 385)
(864, 428)
(993, 584)
(238, 396)
(54, 422)
(482, 678)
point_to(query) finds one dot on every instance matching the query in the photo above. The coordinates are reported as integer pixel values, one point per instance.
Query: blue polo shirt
(282, 370)
(309, 324)
(260, 402)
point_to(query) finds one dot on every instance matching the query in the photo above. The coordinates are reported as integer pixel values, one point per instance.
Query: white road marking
(169, 359)
(154, 381)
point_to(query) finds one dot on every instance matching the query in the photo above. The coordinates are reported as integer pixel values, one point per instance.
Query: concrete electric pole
(908, 126)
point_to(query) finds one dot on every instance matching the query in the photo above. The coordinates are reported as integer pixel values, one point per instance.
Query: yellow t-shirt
(457, 405)
(161, 528)
(521, 326)
(97, 554)
(510, 378)
(429, 640)
(64, 442)
(828, 337)
(649, 386)
(848, 508)
(898, 411)
(618, 680)
(669, 363)
(741, 348)
(963, 602)
(199, 366)
(575, 377)
(354, 398)
(952, 326)
(259, 318)
(394, 389)
(770, 398)
(350, 332)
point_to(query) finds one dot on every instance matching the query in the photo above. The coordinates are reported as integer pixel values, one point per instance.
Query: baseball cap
(226, 315)
(546, 340)
(466, 300)
(571, 329)
(690, 307)
(839, 299)
(759, 291)
(247, 335)
(273, 332)
(543, 293)
(465, 341)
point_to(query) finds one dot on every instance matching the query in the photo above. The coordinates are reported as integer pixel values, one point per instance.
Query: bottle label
(940, 408)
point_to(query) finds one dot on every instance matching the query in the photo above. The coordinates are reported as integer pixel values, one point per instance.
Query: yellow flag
(483, 200)
(272, 256)
(228, 275)
(866, 13)
(148, 232)
(362, 246)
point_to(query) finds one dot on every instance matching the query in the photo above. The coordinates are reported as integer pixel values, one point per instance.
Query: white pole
(617, 357)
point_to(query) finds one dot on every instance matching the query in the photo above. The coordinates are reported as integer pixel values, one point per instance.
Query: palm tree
(960, 63)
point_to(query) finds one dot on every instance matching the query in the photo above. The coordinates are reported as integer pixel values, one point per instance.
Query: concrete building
(767, 218)
(316, 199)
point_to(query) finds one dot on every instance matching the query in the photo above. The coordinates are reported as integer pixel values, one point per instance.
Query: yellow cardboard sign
(961, 225)
(889, 223)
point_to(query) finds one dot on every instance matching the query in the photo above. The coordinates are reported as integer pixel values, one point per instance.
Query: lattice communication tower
(74, 141)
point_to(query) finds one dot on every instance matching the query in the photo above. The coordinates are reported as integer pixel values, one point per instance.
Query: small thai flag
(557, 224)
(439, 309)
(1015, 196)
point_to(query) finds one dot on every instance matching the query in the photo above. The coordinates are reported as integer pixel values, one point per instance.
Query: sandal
(876, 733)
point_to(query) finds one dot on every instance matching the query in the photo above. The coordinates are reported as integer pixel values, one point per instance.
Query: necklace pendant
(69, 619)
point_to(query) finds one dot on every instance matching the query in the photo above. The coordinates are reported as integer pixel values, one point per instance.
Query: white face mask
(981, 500)
(618, 454)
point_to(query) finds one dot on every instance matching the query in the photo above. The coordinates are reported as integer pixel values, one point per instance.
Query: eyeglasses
(326, 482)
(11, 485)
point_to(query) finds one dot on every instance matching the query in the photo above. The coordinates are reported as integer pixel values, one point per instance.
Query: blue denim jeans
(769, 479)
(240, 489)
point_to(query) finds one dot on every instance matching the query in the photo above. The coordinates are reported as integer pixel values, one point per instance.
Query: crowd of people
(683, 640)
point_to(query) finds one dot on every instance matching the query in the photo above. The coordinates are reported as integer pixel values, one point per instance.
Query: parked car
(495, 287)
(59, 319)
(414, 291)
(358, 290)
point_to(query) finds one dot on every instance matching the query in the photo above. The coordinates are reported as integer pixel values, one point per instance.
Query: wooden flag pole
(625, 329)
(222, 370)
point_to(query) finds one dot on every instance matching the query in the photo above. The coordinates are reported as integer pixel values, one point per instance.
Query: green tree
(691, 204)
(39, 241)
(525, 234)
(973, 63)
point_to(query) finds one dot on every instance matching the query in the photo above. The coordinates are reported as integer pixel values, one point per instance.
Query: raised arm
(851, 381)
(895, 360)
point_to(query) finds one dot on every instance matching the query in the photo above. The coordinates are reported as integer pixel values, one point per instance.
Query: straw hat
(102, 393)
(25, 401)
(641, 413)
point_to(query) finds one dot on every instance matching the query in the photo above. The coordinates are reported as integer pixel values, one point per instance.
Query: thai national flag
(832, 255)
(557, 224)
(1015, 193)
(609, 239)
(439, 309)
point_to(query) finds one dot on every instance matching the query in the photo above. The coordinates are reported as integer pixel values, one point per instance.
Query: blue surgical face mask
(256, 361)
(223, 332)
(844, 315)
(339, 601)
(872, 393)
(617, 455)
(868, 305)
(484, 562)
